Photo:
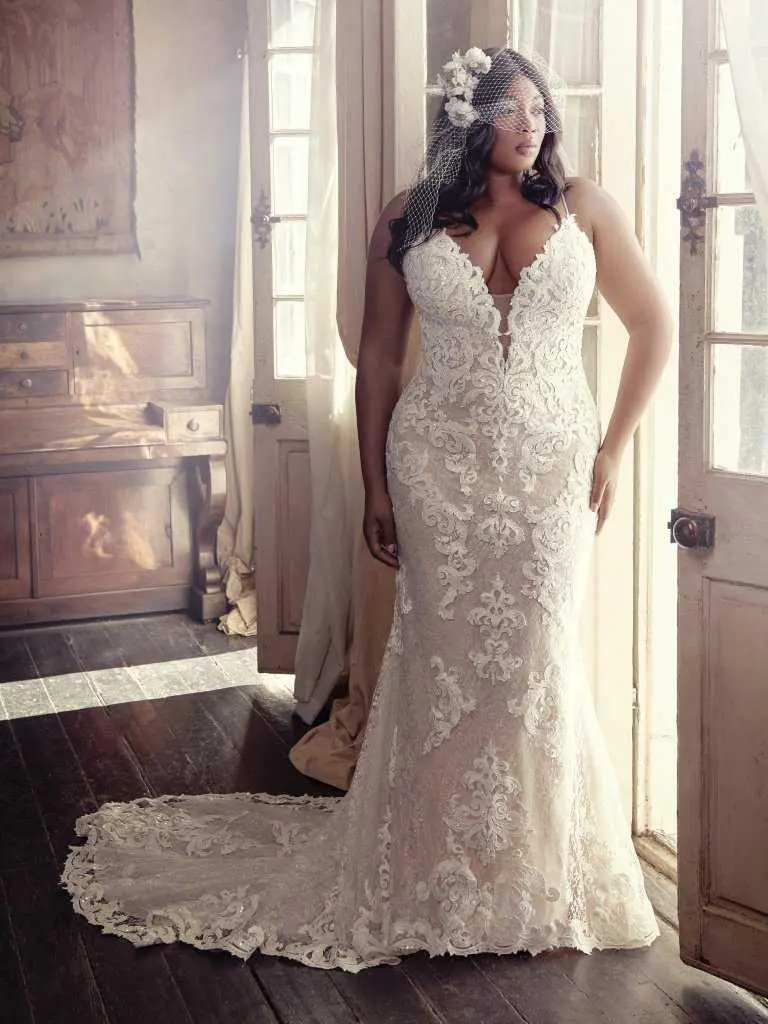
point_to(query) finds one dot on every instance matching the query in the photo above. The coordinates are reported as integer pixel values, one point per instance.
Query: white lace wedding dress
(483, 814)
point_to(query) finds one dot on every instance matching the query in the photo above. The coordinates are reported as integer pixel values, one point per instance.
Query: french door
(721, 529)
(280, 42)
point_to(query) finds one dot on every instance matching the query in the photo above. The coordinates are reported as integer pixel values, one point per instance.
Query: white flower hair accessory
(458, 82)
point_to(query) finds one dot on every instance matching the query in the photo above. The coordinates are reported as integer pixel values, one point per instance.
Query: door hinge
(263, 220)
(693, 202)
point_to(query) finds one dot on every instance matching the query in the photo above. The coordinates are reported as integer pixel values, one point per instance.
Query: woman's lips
(526, 148)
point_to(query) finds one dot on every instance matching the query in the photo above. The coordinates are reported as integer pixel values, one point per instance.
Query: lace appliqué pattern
(449, 705)
(493, 816)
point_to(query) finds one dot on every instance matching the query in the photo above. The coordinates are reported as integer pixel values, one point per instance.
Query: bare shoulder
(395, 207)
(593, 206)
(381, 234)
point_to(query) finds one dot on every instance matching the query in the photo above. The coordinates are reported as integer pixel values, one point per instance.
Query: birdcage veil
(479, 97)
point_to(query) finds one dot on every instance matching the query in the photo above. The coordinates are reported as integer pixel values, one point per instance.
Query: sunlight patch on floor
(76, 691)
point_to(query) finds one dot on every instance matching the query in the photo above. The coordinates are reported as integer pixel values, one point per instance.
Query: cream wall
(187, 133)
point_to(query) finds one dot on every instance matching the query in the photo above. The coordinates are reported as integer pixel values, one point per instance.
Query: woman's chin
(516, 168)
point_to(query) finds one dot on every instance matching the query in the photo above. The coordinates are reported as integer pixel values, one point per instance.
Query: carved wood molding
(209, 477)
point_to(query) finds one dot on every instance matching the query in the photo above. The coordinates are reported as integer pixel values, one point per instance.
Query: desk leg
(208, 480)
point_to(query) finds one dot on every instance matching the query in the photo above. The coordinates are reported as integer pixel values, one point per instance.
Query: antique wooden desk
(112, 481)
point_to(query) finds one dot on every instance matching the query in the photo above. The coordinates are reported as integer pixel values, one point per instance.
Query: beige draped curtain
(235, 539)
(351, 179)
(360, 75)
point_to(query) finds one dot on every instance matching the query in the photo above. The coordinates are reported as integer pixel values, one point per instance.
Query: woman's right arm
(383, 344)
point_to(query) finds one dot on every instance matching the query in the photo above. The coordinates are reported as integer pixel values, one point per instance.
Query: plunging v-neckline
(476, 272)
(524, 274)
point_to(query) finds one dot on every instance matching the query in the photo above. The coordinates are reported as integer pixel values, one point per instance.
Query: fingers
(382, 543)
(599, 483)
(604, 508)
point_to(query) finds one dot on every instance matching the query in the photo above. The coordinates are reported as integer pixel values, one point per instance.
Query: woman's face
(519, 130)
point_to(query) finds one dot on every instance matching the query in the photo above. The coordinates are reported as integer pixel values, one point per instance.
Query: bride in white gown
(483, 814)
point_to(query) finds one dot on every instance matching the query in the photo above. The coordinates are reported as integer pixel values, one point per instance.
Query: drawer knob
(23, 355)
(26, 383)
(193, 426)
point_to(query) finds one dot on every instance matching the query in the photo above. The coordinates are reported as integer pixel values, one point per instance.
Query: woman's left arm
(627, 282)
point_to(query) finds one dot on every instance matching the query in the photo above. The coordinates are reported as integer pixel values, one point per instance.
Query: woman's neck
(503, 189)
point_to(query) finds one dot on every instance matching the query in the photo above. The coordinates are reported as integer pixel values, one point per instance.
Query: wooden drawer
(36, 382)
(32, 326)
(135, 352)
(40, 355)
(188, 422)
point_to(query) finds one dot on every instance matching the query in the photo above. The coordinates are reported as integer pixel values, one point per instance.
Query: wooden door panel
(736, 740)
(105, 531)
(15, 572)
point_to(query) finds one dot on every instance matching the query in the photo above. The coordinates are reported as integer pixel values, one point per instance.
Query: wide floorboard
(119, 709)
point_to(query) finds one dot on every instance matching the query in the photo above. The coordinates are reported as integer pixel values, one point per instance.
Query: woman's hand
(379, 528)
(605, 477)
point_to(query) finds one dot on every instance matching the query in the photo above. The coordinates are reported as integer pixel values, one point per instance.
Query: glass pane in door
(290, 90)
(740, 300)
(740, 408)
(289, 254)
(567, 35)
(291, 23)
(730, 161)
(290, 174)
(581, 136)
(290, 339)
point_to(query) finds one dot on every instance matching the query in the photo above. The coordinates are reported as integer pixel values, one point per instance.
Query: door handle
(691, 529)
(266, 414)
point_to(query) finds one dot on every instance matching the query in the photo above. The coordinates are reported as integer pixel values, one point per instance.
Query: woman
(483, 815)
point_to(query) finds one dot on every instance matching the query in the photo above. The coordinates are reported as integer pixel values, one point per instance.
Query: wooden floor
(121, 709)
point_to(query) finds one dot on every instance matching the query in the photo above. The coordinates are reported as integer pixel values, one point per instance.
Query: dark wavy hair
(544, 186)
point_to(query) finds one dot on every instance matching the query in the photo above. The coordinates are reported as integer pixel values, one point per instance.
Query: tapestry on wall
(67, 175)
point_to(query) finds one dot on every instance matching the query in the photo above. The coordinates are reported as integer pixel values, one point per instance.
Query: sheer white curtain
(235, 540)
(336, 487)
(746, 33)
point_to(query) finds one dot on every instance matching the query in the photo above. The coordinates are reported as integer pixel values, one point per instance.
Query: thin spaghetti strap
(565, 205)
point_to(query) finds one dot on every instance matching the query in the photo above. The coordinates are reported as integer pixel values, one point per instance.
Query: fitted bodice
(461, 320)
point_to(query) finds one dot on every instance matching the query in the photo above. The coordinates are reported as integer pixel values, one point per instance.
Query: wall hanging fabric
(67, 165)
